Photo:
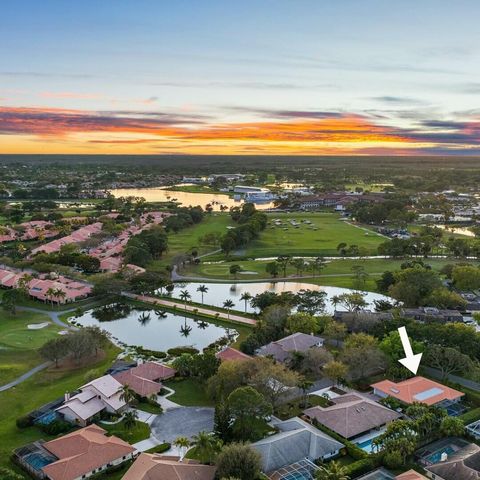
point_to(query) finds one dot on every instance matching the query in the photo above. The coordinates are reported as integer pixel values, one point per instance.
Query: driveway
(182, 422)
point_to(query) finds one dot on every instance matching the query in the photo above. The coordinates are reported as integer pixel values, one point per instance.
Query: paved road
(190, 308)
(55, 318)
(24, 377)
(182, 422)
(54, 315)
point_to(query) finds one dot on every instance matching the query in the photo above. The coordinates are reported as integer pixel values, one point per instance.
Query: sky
(278, 77)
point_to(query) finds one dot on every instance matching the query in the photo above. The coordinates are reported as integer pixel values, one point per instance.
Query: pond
(219, 292)
(186, 199)
(152, 329)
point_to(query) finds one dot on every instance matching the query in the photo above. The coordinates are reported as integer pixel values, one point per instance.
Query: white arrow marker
(411, 361)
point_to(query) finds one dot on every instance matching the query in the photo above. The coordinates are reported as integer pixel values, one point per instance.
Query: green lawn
(321, 237)
(189, 392)
(187, 239)
(139, 432)
(19, 345)
(42, 388)
(337, 273)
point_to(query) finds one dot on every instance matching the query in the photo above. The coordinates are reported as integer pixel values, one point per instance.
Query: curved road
(55, 318)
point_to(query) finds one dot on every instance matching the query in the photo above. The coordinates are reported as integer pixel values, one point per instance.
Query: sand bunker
(38, 326)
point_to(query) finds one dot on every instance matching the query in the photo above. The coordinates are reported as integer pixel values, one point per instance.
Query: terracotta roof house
(77, 455)
(295, 441)
(157, 467)
(230, 353)
(101, 394)
(418, 389)
(144, 379)
(410, 475)
(461, 465)
(352, 415)
(281, 350)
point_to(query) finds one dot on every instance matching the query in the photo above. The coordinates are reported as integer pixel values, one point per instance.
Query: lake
(156, 333)
(219, 292)
(186, 199)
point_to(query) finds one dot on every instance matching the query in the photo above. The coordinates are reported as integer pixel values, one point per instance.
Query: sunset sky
(240, 77)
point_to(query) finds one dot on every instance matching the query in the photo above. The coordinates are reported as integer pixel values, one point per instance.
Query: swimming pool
(436, 457)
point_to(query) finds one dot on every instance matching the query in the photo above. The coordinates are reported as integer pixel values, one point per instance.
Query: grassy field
(19, 345)
(187, 239)
(189, 392)
(337, 273)
(321, 237)
(36, 391)
(139, 432)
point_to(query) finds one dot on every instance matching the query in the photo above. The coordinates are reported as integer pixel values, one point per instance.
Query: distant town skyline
(311, 77)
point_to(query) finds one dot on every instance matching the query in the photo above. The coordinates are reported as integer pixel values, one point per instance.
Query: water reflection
(186, 199)
(153, 329)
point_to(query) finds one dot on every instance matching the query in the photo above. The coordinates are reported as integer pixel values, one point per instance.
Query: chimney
(67, 396)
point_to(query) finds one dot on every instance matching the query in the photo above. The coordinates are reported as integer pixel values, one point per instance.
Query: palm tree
(185, 295)
(332, 471)
(228, 304)
(127, 395)
(246, 297)
(206, 446)
(182, 443)
(130, 419)
(335, 300)
(59, 295)
(202, 289)
(50, 293)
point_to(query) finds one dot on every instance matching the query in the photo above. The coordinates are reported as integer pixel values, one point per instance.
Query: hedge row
(470, 416)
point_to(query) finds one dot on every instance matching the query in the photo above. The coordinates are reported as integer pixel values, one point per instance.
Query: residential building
(163, 467)
(352, 415)
(425, 314)
(282, 350)
(295, 441)
(463, 464)
(145, 379)
(410, 475)
(418, 389)
(101, 394)
(75, 456)
(230, 353)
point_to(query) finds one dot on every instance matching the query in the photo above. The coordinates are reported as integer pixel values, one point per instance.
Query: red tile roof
(418, 389)
(232, 354)
(83, 451)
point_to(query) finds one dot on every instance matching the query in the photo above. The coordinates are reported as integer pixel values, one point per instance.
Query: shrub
(360, 467)
(56, 427)
(177, 351)
(163, 447)
(24, 422)
(470, 416)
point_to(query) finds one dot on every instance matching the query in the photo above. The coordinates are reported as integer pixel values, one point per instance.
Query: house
(352, 415)
(144, 379)
(295, 441)
(157, 467)
(410, 475)
(230, 353)
(282, 350)
(464, 464)
(74, 456)
(418, 389)
(101, 394)
(431, 314)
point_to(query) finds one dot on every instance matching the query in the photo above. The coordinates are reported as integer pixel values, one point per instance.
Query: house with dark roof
(295, 441)
(431, 314)
(352, 415)
(464, 464)
(282, 350)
